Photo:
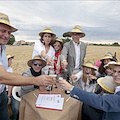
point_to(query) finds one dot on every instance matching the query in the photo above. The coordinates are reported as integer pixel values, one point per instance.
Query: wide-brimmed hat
(107, 83)
(37, 57)
(107, 56)
(57, 40)
(89, 64)
(111, 62)
(5, 20)
(47, 30)
(115, 64)
(10, 56)
(77, 29)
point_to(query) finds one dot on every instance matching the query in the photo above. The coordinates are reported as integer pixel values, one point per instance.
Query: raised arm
(15, 79)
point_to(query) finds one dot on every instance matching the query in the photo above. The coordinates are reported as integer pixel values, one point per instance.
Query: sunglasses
(35, 64)
(56, 45)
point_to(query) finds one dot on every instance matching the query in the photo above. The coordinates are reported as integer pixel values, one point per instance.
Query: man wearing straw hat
(73, 53)
(10, 78)
(110, 104)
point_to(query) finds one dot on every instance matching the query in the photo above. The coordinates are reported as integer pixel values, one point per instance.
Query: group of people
(97, 87)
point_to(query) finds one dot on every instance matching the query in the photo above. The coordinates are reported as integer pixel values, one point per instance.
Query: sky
(99, 20)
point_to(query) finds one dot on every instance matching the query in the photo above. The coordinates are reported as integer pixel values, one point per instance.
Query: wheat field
(24, 53)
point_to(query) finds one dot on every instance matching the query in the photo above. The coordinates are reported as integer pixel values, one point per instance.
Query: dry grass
(24, 53)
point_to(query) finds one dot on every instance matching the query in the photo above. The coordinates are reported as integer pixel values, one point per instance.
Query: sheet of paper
(50, 101)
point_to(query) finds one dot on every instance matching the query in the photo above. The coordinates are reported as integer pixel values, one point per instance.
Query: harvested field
(24, 53)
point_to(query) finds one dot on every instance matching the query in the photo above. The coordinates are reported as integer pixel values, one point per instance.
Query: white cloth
(79, 74)
(3, 62)
(38, 48)
(9, 69)
(77, 51)
(117, 89)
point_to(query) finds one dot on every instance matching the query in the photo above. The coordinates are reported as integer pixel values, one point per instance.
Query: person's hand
(44, 80)
(73, 77)
(90, 77)
(42, 88)
(65, 85)
(64, 64)
(50, 61)
(9, 100)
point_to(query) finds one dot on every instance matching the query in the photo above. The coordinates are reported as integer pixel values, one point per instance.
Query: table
(28, 111)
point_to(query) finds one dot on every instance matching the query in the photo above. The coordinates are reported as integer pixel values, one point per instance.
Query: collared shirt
(77, 52)
(117, 89)
(4, 62)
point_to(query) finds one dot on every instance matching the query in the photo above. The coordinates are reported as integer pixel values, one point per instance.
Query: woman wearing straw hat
(58, 45)
(104, 61)
(44, 48)
(74, 51)
(10, 78)
(88, 79)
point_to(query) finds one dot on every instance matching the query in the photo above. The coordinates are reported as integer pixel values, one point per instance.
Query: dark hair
(101, 69)
(41, 39)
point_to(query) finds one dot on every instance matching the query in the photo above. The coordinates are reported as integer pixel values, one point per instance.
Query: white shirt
(38, 48)
(4, 62)
(77, 52)
(88, 87)
(117, 89)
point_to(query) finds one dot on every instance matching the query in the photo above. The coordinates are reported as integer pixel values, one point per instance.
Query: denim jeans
(15, 108)
(4, 107)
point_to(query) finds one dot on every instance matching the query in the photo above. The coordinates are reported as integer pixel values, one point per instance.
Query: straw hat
(112, 62)
(9, 56)
(47, 30)
(57, 40)
(107, 56)
(89, 64)
(77, 29)
(5, 20)
(115, 64)
(37, 57)
(107, 83)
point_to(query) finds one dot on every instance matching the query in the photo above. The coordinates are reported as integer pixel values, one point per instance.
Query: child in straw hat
(58, 45)
(11, 101)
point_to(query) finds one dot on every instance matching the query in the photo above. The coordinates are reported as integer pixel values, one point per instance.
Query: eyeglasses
(35, 64)
(56, 45)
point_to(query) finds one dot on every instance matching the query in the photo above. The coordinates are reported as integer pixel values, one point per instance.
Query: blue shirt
(4, 62)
